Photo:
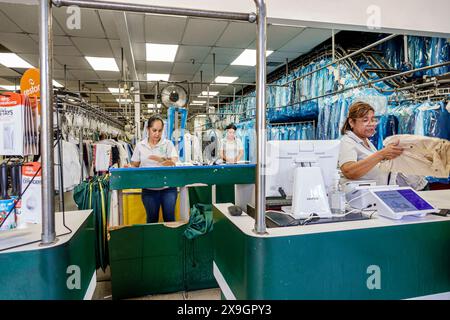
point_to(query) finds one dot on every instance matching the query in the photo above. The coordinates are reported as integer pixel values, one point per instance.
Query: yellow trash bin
(134, 211)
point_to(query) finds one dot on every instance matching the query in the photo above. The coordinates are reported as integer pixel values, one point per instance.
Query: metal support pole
(65, 76)
(405, 48)
(287, 67)
(260, 196)
(333, 46)
(48, 235)
(214, 67)
(130, 7)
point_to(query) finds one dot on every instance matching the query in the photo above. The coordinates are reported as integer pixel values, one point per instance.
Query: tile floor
(103, 291)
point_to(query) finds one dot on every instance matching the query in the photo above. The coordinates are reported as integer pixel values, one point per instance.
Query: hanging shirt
(353, 149)
(231, 148)
(164, 148)
(423, 156)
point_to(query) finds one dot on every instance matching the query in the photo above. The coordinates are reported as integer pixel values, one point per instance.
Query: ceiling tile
(235, 71)
(278, 36)
(139, 51)
(307, 40)
(186, 53)
(90, 25)
(32, 59)
(282, 55)
(208, 69)
(180, 77)
(136, 27)
(109, 75)
(164, 29)
(203, 32)
(65, 51)
(185, 68)
(19, 43)
(7, 72)
(6, 25)
(57, 40)
(107, 19)
(158, 67)
(73, 62)
(84, 75)
(93, 47)
(223, 55)
(238, 35)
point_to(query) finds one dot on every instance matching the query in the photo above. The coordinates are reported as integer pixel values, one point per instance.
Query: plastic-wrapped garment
(391, 127)
(417, 53)
(292, 132)
(419, 128)
(275, 133)
(437, 121)
(375, 99)
(321, 124)
(393, 52)
(439, 53)
(344, 112)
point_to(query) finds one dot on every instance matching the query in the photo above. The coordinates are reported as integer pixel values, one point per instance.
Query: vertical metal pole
(333, 45)
(214, 68)
(405, 48)
(260, 196)
(287, 67)
(65, 76)
(156, 96)
(48, 180)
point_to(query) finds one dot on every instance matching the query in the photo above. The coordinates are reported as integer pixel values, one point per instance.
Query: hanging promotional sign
(30, 83)
(31, 208)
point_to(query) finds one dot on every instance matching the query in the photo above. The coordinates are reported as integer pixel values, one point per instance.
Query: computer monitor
(284, 156)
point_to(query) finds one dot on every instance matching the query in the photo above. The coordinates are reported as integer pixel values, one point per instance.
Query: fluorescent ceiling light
(211, 93)
(161, 52)
(198, 102)
(158, 77)
(12, 60)
(116, 90)
(103, 64)
(248, 58)
(152, 106)
(57, 84)
(124, 100)
(221, 79)
(9, 88)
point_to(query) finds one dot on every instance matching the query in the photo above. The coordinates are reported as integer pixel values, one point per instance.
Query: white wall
(430, 17)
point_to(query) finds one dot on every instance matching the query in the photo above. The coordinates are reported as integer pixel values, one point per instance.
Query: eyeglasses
(367, 121)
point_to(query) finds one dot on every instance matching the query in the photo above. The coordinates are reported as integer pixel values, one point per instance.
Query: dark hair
(357, 110)
(231, 126)
(153, 118)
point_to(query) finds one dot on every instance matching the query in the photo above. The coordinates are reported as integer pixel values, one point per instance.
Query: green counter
(63, 271)
(138, 178)
(155, 258)
(370, 259)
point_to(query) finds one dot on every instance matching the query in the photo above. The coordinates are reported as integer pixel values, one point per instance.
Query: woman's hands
(165, 162)
(156, 158)
(391, 151)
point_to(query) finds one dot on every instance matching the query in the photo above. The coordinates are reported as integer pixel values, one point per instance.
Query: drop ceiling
(199, 41)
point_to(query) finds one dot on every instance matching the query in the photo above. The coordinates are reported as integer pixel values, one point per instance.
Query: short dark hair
(153, 118)
(231, 126)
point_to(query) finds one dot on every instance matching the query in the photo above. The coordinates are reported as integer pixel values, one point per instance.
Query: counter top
(32, 232)
(439, 198)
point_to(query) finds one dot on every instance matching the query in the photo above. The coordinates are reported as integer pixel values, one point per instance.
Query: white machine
(396, 203)
(303, 170)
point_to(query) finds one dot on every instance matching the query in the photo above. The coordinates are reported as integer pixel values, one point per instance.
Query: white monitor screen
(281, 157)
(403, 200)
